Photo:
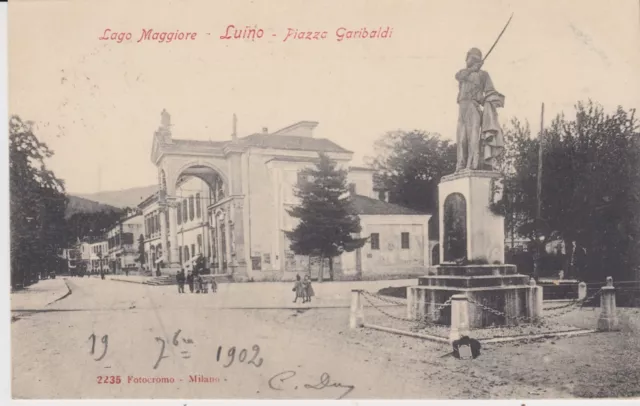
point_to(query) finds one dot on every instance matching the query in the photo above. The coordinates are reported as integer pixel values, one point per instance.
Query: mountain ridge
(130, 197)
(81, 205)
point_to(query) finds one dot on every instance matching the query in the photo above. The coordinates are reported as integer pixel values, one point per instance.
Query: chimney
(234, 134)
(265, 130)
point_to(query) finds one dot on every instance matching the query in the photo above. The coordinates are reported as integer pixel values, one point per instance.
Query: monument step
(482, 281)
(476, 270)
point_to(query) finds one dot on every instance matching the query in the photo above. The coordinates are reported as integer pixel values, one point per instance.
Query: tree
(409, 165)
(327, 223)
(590, 189)
(92, 225)
(37, 206)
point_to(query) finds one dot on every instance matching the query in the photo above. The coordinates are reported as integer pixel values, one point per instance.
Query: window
(191, 208)
(179, 214)
(180, 254)
(198, 206)
(157, 222)
(193, 250)
(375, 241)
(199, 239)
(382, 195)
(352, 188)
(186, 253)
(185, 214)
(404, 237)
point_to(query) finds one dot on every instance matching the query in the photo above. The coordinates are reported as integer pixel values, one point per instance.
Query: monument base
(498, 287)
(468, 227)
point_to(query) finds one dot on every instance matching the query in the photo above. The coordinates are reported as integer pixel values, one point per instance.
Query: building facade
(192, 221)
(245, 186)
(98, 257)
(122, 243)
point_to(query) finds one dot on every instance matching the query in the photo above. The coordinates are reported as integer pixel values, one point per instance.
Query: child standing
(307, 288)
(298, 288)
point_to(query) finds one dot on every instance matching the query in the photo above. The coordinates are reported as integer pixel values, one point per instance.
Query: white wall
(391, 257)
(363, 181)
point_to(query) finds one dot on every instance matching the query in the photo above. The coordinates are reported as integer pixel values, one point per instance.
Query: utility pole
(538, 248)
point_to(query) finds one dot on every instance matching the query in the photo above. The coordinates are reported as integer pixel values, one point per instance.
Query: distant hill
(81, 205)
(122, 198)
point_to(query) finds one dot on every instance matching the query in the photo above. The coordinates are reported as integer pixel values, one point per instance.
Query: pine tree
(328, 224)
(141, 258)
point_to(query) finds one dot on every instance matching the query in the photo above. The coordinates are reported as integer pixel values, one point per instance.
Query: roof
(368, 206)
(199, 143)
(290, 142)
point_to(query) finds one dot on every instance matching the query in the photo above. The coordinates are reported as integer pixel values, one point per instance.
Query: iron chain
(424, 320)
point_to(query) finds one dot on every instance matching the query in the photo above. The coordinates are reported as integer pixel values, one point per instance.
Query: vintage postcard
(367, 199)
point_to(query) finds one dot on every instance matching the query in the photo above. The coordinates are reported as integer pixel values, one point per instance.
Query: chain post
(460, 325)
(356, 316)
(608, 320)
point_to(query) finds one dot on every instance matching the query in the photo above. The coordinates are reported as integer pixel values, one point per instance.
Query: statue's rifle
(498, 39)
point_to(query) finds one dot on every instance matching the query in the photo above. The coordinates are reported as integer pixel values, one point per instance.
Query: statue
(479, 136)
(165, 119)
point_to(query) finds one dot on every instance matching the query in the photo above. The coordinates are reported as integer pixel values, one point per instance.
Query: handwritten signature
(277, 380)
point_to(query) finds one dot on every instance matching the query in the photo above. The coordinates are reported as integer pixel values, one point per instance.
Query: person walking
(298, 289)
(180, 278)
(190, 281)
(214, 285)
(307, 289)
(199, 284)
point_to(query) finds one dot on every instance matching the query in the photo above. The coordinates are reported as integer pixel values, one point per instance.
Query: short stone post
(459, 317)
(534, 301)
(411, 311)
(582, 291)
(608, 320)
(421, 305)
(356, 317)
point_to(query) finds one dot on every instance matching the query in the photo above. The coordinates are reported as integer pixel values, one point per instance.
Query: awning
(159, 260)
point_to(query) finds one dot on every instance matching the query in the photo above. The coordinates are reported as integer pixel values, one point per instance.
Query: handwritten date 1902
(242, 356)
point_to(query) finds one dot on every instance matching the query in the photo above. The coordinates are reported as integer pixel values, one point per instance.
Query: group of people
(303, 289)
(196, 282)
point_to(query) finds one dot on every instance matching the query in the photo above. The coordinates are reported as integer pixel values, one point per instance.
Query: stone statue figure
(479, 136)
(165, 119)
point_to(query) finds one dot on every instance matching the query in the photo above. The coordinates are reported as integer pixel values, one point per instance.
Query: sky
(97, 103)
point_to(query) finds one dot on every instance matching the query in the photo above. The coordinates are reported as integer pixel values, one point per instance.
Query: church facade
(241, 213)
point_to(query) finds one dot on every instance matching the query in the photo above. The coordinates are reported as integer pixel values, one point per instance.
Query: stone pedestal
(472, 234)
(468, 228)
(498, 287)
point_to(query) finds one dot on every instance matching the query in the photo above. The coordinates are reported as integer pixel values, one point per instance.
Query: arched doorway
(455, 227)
